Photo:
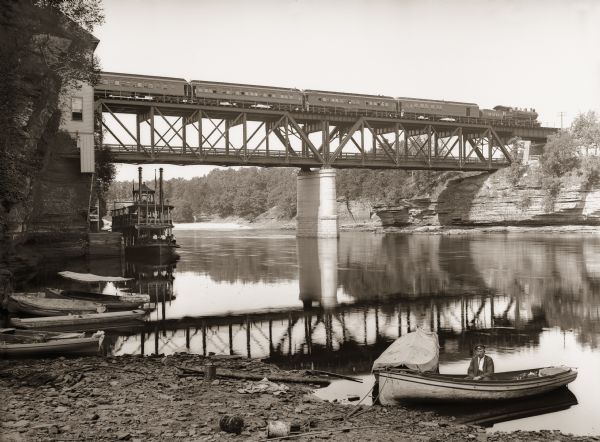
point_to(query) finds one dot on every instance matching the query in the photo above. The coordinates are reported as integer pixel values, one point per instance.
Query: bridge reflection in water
(333, 330)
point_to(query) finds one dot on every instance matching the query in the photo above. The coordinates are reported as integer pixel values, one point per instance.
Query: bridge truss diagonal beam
(200, 134)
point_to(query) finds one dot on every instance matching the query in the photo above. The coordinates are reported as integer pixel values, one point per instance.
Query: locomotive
(166, 89)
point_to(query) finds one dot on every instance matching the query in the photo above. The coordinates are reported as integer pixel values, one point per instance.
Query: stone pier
(316, 210)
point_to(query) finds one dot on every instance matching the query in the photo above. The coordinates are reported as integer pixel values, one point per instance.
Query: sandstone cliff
(43, 197)
(492, 199)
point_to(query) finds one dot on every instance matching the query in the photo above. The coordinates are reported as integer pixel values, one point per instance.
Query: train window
(104, 81)
(150, 86)
(117, 83)
(139, 84)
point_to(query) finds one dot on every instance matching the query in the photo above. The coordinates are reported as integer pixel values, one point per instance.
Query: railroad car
(129, 85)
(150, 87)
(247, 94)
(436, 108)
(324, 100)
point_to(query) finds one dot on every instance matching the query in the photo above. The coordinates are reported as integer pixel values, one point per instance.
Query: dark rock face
(44, 198)
(490, 200)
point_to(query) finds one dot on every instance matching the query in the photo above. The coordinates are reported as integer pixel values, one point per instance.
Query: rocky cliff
(43, 196)
(493, 199)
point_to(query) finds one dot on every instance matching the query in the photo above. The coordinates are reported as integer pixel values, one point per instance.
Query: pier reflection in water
(336, 304)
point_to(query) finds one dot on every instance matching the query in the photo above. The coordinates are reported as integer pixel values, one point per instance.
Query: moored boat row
(61, 310)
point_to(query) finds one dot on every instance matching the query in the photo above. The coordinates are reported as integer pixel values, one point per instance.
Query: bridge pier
(316, 204)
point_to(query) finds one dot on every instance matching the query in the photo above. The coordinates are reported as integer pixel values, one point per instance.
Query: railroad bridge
(173, 130)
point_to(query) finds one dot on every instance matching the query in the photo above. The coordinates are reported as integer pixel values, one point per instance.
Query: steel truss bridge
(140, 131)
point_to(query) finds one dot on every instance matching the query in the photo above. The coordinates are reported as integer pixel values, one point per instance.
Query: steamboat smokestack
(139, 183)
(160, 190)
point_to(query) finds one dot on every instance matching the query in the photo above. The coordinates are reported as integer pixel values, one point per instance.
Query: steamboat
(146, 224)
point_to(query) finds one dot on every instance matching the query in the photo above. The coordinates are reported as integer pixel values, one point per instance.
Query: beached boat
(397, 385)
(24, 343)
(490, 413)
(111, 302)
(408, 371)
(82, 321)
(44, 304)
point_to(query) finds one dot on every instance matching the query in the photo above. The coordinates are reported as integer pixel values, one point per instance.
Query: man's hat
(479, 347)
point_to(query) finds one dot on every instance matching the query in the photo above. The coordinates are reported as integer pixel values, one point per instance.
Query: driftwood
(273, 377)
(336, 375)
(334, 430)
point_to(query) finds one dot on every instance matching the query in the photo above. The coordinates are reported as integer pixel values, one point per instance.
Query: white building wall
(82, 131)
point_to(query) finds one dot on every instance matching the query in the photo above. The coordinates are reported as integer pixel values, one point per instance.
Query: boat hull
(80, 322)
(399, 385)
(52, 347)
(152, 252)
(110, 302)
(41, 304)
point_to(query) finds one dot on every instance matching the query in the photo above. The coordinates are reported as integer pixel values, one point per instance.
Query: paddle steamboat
(146, 223)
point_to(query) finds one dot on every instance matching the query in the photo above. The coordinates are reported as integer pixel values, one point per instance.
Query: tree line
(248, 192)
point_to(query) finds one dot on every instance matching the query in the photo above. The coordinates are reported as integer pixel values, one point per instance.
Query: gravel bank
(161, 399)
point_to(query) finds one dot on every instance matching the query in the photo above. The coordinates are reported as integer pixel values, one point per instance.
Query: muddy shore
(167, 398)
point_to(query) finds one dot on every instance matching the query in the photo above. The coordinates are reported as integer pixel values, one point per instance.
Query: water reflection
(336, 304)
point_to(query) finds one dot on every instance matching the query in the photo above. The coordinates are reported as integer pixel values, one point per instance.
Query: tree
(586, 130)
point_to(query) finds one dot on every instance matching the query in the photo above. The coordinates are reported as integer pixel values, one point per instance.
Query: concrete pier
(316, 207)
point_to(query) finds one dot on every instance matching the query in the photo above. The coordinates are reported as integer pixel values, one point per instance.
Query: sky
(525, 53)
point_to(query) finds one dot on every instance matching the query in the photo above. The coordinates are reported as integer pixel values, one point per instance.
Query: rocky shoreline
(167, 398)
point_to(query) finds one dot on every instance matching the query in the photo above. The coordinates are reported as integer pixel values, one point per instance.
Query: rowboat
(23, 343)
(111, 302)
(398, 385)
(84, 321)
(43, 304)
(487, 414)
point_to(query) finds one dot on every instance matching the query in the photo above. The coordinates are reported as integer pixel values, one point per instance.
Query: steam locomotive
(153, 88)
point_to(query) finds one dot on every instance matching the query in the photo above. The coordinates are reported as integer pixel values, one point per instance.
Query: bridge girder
(177, 133)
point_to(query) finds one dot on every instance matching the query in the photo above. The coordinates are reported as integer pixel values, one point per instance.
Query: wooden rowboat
(111, 302)
(24, 343)
(43, 304)
(397, 385)
(84, 321)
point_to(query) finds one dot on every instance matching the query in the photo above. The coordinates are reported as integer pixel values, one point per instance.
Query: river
(335, 305)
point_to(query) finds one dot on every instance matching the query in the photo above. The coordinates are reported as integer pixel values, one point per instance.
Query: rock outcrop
(492, 200)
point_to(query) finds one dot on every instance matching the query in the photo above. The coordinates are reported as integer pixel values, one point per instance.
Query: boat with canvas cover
(24, 343)
(85, 321)
(111, 302)
(408, 371)
(44, 304)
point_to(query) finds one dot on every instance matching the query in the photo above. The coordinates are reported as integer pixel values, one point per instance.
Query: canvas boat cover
(418, 350)
(89, 277)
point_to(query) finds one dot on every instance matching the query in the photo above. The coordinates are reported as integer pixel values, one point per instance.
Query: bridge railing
(347, 157)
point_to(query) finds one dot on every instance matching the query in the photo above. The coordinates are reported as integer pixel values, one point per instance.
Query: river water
(335, 305)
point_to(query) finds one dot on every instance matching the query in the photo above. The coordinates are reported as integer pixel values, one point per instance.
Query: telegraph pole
(561, 119)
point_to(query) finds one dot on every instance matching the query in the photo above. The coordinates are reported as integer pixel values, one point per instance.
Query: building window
(77, 109)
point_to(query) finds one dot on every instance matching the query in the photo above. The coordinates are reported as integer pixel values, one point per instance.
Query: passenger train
(153, 88)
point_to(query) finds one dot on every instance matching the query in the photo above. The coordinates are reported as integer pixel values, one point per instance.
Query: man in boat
(481, 366)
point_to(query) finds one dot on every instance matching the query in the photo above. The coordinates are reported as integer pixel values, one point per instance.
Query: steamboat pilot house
(146, 224)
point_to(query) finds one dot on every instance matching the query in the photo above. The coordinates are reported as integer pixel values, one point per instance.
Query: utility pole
(561, 119)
